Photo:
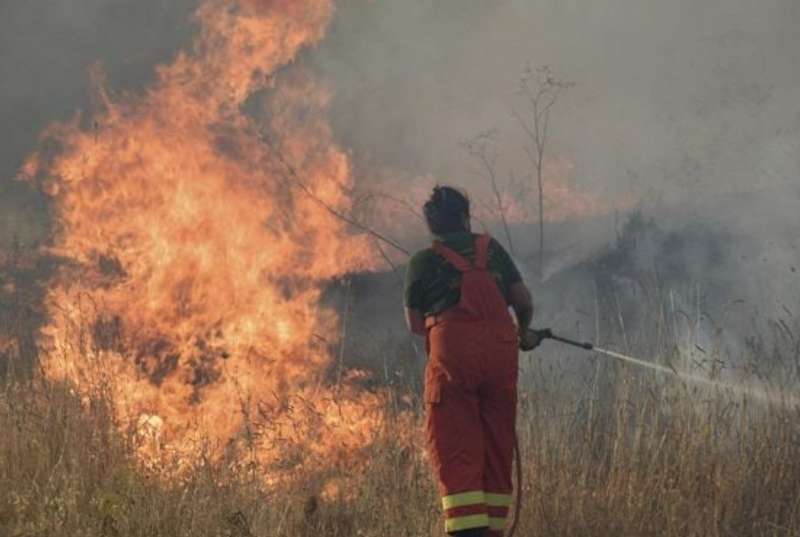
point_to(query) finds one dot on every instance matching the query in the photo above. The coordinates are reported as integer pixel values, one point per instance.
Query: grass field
(612, 451)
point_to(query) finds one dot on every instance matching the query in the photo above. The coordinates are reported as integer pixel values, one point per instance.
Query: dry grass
(66, 470)
(625, 455)
(657, 461)
(607, 450)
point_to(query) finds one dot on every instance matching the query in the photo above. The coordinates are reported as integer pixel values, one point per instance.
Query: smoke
(669, 97)
(687, 108)
(48, 48)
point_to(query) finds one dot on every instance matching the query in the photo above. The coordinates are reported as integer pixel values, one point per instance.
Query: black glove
(530, 338)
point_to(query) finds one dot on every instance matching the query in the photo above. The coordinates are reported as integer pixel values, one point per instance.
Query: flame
(401, 214)
(198, 261)
(562, 200)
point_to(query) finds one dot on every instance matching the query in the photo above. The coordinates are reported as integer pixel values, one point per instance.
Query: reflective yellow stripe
(498, 500)
(466, 523)
(473, 497)
(497, 523)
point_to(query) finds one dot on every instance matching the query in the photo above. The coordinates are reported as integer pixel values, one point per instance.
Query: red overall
(471, 396)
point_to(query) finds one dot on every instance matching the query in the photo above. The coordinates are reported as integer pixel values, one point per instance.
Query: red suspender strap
(461, 264)
(482, 251)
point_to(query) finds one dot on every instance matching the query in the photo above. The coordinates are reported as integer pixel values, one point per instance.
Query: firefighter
(457, 296)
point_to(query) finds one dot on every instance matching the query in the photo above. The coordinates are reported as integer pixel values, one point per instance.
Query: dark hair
(446, 209)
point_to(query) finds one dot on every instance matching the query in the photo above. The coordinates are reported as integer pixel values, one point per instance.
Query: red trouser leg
(498, 410)
(454, 429)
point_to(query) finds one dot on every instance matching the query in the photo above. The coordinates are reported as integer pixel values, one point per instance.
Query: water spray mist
(756, 394)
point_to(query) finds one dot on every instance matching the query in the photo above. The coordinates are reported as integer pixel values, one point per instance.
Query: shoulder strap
(461, 264)
(482, 251)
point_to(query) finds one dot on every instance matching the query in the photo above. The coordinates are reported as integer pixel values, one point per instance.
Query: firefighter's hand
(529, 339)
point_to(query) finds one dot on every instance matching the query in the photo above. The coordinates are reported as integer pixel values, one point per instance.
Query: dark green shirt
(433, 284)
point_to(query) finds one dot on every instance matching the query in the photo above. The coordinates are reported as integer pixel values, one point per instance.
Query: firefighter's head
(447, 210)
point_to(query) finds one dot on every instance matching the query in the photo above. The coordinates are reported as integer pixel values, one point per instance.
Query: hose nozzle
(546, 333)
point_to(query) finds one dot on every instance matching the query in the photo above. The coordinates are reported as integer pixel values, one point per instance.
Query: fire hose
(541, 335)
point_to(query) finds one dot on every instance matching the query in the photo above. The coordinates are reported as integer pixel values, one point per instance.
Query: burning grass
(177, 375)
(615, 451)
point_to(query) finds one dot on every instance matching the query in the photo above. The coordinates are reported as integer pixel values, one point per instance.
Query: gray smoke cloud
(669, 96)
(689, 108)
(47, 49)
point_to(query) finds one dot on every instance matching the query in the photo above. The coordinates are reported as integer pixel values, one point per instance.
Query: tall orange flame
(198, 263)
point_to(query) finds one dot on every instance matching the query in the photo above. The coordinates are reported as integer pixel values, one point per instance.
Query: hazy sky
(682, 92)
(683, 99)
